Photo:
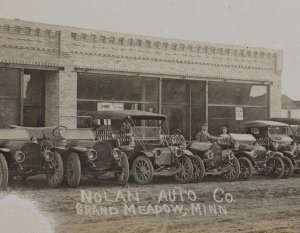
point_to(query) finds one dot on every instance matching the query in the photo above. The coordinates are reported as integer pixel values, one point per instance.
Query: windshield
(278, 130)
(146, 129)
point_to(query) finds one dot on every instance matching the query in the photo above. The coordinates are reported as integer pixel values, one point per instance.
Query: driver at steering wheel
(204, 136)
(177, 138)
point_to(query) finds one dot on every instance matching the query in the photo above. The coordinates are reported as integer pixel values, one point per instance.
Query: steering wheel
(57, 130)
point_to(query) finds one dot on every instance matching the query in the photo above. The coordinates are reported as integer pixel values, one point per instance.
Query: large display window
(133, 93)
(233, 104)
(10, 84)
(21, 97)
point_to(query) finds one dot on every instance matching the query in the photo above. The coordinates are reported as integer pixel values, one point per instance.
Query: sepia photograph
(148, 116)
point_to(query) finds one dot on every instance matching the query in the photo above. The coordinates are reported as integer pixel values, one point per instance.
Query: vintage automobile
(22, 156)
(252, 156)
(294, 132)
(216, 160)
(83, 155)
(150, 151)
(273, 136)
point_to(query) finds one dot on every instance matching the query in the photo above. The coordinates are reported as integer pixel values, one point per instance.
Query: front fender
(79, 149)
(187, 152)
(5, 150)
(278, 154)
(147, 153)
(247, 154)
(288, 154)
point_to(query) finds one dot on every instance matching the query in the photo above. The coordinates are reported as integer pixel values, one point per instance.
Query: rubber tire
(196, 159)
(134, 172)
(237, 169)
(249, 165)
(52, 183)
(282, 166)
(4, 170)
(287, 162)
(190, 171)
(122, 178)
(73, 160)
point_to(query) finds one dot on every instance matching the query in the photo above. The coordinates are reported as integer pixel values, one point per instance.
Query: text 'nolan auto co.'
(124, 143)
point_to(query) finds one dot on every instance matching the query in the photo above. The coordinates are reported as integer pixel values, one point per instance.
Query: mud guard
(187, 152)
(5, 150)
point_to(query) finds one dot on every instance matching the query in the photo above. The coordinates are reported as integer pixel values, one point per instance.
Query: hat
(204, 124)
(177, 131)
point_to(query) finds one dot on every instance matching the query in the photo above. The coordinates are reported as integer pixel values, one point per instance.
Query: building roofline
(45, 26)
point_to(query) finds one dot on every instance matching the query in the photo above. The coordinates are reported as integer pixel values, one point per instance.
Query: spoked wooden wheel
(277, 167)
(198, 169)
(123, 175)
(184, 168)
(142, 170)
(3, 172)
(73, 170)
(246, 168)
(288, 167)
(55, 172)
(233, 166)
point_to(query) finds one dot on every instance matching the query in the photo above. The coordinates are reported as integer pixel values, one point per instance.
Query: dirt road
(258, 205)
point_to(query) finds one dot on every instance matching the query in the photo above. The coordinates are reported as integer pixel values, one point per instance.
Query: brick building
(50, 73)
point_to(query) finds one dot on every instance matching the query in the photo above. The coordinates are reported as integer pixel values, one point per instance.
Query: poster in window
(239, 113)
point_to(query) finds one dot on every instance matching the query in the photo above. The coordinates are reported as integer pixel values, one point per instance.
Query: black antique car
(22, 156)
(216, 160)
(294, 132)
(83, 155)
(274, 137)
(252, 156)
(149, 150)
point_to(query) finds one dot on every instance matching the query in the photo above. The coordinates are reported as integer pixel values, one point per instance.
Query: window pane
(237, 94)
(219, 116)
(9, 82)
(175, 91)
(34, 98)
(117, 88)
(9, 97)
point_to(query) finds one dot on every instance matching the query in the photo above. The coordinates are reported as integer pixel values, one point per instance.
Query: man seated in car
(204, 136)
(177, 138)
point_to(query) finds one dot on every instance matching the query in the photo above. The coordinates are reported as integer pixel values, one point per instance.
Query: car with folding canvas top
(83, 155)
(294, 132)
(141, 136)
(252, 156)
(22, 156)
(274, 137)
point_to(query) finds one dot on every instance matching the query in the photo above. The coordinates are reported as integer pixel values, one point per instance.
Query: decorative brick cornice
(28, 31)
(165, 45)
(22, 62)
(181, 60)
(28, 48)
(195, 75)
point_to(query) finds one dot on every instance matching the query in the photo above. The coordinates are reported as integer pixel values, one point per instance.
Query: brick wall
(69, 49)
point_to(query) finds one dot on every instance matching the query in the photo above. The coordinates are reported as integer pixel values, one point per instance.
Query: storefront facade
(50, 74)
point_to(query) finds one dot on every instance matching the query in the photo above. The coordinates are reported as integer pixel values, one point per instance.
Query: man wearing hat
(204, 136)
(177, 138)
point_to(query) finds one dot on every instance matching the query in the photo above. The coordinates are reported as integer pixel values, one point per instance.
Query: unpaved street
(258, 205)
